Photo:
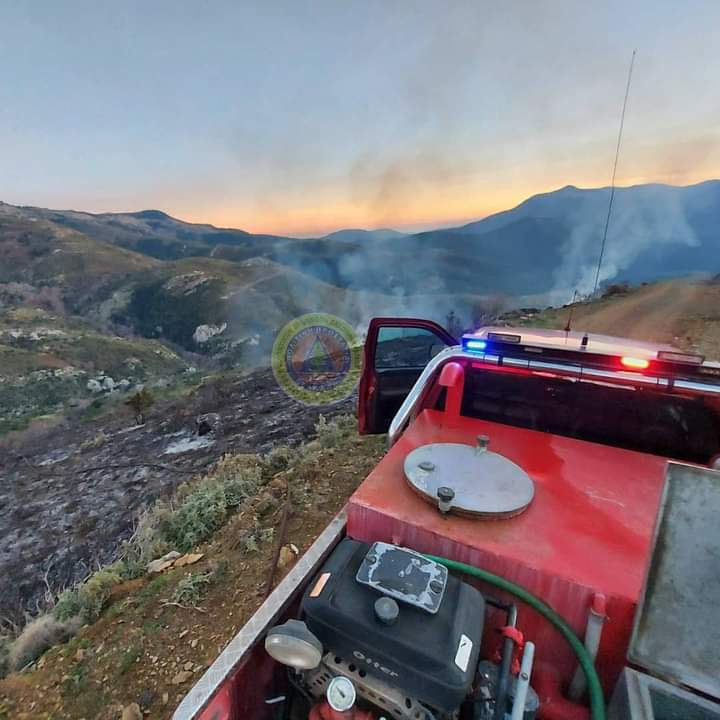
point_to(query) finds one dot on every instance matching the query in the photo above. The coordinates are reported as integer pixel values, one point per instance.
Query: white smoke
(646, 218)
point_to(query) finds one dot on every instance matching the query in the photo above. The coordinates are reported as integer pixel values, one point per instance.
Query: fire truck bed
(588, 529)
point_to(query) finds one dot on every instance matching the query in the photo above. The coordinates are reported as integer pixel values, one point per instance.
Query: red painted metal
(245, 690)
(588, 530)
(547, 683)
(368, 379)
(323, 711)
(452, 376)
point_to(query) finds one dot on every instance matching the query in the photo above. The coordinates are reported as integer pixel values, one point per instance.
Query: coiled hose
(597, 701)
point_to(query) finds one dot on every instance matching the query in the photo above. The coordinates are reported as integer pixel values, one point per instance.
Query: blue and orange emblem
(316, 359)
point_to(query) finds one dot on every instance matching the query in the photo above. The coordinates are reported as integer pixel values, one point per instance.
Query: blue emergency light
(474, 345)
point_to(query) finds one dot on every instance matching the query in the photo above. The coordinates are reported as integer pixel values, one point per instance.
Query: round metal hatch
(468, 480)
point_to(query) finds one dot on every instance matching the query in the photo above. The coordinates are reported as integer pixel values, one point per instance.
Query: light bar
(680, 357)
(473, 345)
(504, 337)
(635, 363)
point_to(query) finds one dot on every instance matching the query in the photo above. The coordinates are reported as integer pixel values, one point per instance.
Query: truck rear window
(635, 419)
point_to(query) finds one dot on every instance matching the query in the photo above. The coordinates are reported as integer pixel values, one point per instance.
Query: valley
(144, 299)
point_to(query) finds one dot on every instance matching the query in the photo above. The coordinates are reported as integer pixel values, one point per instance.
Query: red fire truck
(540, 541)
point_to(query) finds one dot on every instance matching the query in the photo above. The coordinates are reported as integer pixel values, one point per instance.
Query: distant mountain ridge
(546, 245)
(548, 242)
(79, 292)
(359, 235)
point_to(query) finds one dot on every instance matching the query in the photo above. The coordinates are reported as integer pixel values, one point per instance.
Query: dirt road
(679, 312)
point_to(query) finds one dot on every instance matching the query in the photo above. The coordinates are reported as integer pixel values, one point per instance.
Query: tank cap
(386, 610)
(445, 497)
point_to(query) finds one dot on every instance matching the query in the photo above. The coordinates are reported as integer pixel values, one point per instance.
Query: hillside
(64, 267)
(550, 242)
(50, 362)
(684, 313)
(152, 635)
(157, 634)
(216, 298)
(151, 232)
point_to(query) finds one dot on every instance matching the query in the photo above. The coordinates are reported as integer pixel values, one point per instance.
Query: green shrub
(280, 458)
(331, 432)
(191, 588)
(88, 599)
(204, 506)
(67, 605)
(154, 587)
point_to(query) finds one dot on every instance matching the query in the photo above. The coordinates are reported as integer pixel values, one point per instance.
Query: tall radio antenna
(615, 164)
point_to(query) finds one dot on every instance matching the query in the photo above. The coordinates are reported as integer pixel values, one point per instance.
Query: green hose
(597, 701)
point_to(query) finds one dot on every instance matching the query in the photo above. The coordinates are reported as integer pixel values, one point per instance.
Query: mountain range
(549, 242)
(69, 278)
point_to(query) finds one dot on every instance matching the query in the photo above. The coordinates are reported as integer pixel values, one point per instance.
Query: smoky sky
(308, 116)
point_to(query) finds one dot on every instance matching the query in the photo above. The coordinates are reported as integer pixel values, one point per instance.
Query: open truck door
(396, 351)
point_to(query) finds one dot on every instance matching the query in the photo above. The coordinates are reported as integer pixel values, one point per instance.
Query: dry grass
(37, 636)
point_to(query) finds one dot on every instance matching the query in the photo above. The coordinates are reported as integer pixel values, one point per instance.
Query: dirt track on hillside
(682, 313)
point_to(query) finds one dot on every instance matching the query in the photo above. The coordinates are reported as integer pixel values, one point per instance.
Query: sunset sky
(302, 117)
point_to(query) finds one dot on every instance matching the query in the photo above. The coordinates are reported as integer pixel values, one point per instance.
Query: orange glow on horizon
(321, 218)
(429, 209)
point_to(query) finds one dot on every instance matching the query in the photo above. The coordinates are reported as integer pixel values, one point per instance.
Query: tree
(453, 324)
(140, 403)
(487, 310)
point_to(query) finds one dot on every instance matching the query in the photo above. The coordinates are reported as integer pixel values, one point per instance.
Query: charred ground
(69, 494)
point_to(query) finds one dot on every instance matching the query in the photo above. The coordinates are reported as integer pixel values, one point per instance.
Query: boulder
(203, 333)
(156, 566)
(94, 386)
(209, 423)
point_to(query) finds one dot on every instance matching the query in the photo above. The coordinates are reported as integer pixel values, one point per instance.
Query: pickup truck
(539, 541)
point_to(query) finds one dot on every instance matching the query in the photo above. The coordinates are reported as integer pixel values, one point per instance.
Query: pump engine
(404, 631)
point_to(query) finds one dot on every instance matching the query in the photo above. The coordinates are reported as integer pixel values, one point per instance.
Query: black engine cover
(430, 657)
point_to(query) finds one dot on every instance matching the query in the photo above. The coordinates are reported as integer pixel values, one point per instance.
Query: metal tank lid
(468, 480)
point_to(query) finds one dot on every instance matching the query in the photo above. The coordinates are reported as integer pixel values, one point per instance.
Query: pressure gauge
(341, 694)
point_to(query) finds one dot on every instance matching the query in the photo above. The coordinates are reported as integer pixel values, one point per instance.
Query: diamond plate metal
(254, 629)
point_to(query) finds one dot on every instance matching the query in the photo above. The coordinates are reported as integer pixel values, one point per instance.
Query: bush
(4, 655)
(140, 403)
(37, 636)
(202, 508)
(87, 600)
(331, 432)
(280, 458)
(191, 588)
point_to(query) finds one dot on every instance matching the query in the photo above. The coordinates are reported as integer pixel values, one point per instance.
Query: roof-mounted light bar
(504, 337)
(680, 357)
(474, 345)
(635, 363)
(507, 348)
